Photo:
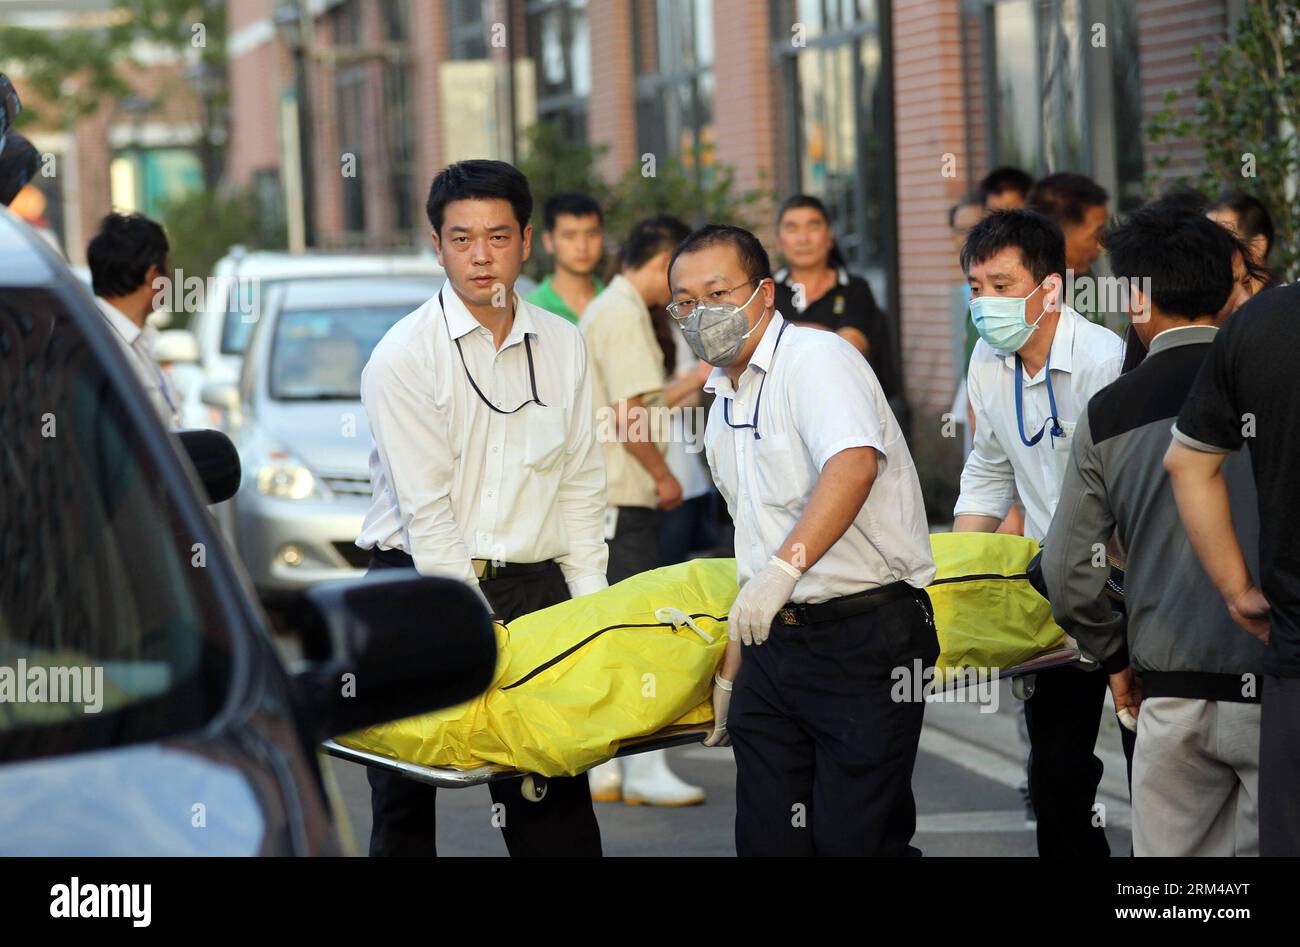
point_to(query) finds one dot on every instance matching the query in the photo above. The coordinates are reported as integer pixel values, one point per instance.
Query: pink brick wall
(611, 107)
(930, 122)
(1168, 32)
(746, 93)
(256, 80)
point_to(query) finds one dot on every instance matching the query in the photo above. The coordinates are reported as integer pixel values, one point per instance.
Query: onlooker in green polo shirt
(574, 235)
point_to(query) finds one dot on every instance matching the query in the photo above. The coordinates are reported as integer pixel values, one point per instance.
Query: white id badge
(611, 522)
(1066, 438)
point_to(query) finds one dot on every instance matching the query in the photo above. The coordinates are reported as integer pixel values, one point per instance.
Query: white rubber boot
(606, 782)
(647, 781)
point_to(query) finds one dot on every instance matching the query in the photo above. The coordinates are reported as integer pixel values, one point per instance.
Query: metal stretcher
(533, 787)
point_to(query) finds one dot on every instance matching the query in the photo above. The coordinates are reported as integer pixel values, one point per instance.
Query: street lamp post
(292, 23)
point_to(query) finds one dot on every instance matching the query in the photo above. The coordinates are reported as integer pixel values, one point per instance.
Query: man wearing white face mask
(832, 556)
(1032, 372)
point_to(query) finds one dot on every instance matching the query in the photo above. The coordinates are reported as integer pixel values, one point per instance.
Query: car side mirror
(215, 460)
(389, 645)
(220, 394)
(176, 345)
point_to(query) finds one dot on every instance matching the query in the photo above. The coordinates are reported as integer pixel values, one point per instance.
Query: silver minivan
(298, 423)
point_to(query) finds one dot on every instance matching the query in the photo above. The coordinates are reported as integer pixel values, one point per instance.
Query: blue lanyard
(162, 385)
(1057, 430)
(758, 402)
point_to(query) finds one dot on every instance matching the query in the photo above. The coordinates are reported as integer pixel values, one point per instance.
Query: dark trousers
(691, 526)
(1063, 717)
(1279, 766)
(824, 753)
(635, 546)
(404, 818)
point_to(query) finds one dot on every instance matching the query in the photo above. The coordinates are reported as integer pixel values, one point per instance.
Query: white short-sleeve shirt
(1085, 358)
(818, 397)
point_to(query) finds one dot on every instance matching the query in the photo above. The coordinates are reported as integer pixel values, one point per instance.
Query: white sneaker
(606, 782)
(649, 782)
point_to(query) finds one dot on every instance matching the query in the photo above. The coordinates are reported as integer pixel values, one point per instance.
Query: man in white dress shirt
(832, 555)
(125, 257)
(1035, 366)
(485, 468)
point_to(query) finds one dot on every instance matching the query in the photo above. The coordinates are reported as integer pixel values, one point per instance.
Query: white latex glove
(721, 701)
(750, 618)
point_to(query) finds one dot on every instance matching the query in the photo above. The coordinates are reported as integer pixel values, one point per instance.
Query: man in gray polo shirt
(1185, 669)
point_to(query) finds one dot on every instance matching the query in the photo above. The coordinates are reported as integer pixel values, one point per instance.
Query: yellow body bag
(575, 680)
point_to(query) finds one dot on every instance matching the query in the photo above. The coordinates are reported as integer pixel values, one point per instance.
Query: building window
(674, 82)
(268, 192)
(561, 53)
(395, 14)
(1056, 98)
(840, 130)
(398, 124)
(465, 34)
(350, 110)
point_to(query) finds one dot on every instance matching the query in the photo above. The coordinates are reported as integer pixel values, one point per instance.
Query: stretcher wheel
(1022, 688)
(533, 788)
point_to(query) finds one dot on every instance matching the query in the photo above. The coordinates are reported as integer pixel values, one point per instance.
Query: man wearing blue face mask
(1032, 372)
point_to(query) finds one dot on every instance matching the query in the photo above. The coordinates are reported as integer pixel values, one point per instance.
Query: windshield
(318, 354)
(110, 631)
(243, 300)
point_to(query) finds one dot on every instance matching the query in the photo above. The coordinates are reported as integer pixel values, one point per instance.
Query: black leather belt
(844, 607)
(484, 569)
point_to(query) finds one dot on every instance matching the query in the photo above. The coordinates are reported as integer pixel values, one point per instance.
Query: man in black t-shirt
(849, 304)
(1247, 393)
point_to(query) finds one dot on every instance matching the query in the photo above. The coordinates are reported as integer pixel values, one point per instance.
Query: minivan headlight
(286, 480)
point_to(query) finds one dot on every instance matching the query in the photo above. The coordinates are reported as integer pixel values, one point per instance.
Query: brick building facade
(890, 110)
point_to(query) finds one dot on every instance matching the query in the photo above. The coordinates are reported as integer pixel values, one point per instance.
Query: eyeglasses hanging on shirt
(532, 373)
(758, 401)
(1057, 430)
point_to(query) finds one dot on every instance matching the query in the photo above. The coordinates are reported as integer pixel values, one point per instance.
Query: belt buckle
(791, 615)
(482, 568)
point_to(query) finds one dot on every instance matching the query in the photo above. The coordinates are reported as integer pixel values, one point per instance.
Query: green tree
(203, 225)
(555, 165)
(1247, 99)
(79, 69)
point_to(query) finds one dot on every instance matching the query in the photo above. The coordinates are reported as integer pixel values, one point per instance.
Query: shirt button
(496, 450)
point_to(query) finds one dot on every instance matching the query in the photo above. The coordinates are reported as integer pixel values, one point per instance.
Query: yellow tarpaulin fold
(574, 680)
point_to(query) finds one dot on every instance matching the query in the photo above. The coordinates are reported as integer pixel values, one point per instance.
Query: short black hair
(753, 258)
(122, 251)
(1253, 218)
(1005, 178)
(575, 204)
(836, 256)
(1065, 197)
(1039, 240)
(1187, 257)
(651, 237)
(969, 200)
(1185, 198)
(480, 179)
(18, 164)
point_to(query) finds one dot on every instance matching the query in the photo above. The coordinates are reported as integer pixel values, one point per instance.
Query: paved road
(964, 782)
